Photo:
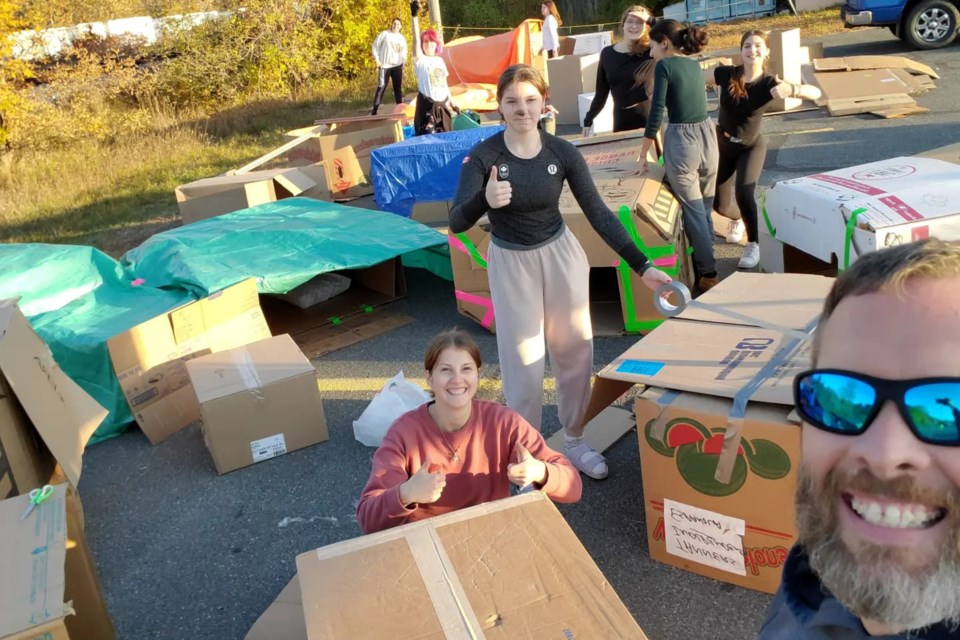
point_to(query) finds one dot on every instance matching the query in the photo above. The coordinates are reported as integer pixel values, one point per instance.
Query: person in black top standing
(539, 274)
(746, 91)
(625, 72)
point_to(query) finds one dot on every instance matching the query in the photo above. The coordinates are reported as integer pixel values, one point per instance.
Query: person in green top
(690, 155)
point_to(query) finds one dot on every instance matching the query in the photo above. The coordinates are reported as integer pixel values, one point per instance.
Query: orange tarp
(482, 60)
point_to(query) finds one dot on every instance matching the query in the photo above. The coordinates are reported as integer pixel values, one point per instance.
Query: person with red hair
(435, 109)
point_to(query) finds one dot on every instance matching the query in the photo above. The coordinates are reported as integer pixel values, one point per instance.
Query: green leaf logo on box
(697, 450)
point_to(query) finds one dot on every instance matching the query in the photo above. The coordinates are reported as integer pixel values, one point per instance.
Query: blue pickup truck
(924, 24)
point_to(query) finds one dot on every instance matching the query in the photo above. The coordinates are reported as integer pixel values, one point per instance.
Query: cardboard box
(257, 402)
(283, 619)
(211, 197)
(571, 75)
(620, 302)
(785, 61)
(348, 318)
(344, 148)
(603, 123)
(149, 359)
(46, 419)
(584, 43)
(898, 200)
(432, 213)
(33, 555)
(45, 423)
(700, 458)
(479, 572)
(681, 437)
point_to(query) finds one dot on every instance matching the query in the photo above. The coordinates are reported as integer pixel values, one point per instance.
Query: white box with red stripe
(840, 215)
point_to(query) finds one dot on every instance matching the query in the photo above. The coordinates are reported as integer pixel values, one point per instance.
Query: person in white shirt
(551, 20)
(390, 54)
(435, 109)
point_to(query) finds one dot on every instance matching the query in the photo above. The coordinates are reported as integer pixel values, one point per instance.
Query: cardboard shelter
(719, 444)
(478, 572)
(211, 197)
(838, 216)
(571, 76)
(645, 207)
(45, 422)
(257, 402)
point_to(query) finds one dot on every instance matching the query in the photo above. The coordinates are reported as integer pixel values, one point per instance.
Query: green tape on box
(766, 218)
(472, 250)
(633, 324)
(848, 239)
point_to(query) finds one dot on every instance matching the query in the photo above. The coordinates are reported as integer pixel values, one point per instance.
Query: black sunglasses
(846, 403)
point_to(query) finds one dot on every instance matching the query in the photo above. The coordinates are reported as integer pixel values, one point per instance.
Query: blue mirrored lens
(836, 402)
(935, 410)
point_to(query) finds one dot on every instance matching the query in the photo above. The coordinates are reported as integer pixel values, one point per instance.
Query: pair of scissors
(36, 497)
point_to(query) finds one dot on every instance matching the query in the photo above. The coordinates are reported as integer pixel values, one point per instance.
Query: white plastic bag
(397, 397)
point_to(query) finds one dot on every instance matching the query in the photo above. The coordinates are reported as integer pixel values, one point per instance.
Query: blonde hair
(888, 270)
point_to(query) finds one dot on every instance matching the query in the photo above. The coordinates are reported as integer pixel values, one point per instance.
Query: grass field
(113, 195)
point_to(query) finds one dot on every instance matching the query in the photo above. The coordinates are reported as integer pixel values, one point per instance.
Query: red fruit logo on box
(697, 451)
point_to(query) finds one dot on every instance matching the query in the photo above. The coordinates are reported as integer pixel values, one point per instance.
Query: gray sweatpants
(690, 160)
(541, 298)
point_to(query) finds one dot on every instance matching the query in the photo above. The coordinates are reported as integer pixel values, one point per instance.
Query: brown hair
(684, 39)
(518, 73)
(643, 42)
(888, 270)
(452, 339)
(552, 8)
(738, 84)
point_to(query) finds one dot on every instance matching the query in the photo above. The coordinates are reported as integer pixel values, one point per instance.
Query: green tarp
(281, 244)
(77, 298)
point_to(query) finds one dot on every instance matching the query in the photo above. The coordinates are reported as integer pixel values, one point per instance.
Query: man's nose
(888, 446)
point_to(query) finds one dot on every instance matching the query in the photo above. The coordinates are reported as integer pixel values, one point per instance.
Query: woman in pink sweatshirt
(457, 451)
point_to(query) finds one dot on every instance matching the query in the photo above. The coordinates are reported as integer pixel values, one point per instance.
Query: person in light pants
(539, 274)
(390, 54)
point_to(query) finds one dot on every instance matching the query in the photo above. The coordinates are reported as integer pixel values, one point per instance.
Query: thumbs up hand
(527, 469)
(781, 89)
(423, 487)
(498, 192)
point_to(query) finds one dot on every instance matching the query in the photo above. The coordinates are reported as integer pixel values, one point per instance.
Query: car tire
(931, 24)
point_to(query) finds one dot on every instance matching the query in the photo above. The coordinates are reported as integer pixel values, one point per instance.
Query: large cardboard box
(584, 43)
(603, 123)
(840, 215)
(149, 359)
(571, 75)
(257, 402)
(718, 443)
(785, 61)
(344, 148)
(620, 302)
(479, 572)
(45, 422)
(33, 556)
(211, 197)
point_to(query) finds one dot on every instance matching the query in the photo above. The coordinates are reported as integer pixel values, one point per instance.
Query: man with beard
(878, 502)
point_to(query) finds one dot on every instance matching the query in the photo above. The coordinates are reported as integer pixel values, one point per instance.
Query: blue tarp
(76, 299)
(422, 169)
(281, 244)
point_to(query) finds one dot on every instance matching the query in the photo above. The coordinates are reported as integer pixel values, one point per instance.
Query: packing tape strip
(246, 369)
(487, 320)
(670, 310)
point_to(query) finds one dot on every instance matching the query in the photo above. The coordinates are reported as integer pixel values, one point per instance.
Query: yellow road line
(375, 384)
(824, 130)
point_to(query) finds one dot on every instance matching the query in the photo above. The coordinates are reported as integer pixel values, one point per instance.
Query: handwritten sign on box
(704, 536)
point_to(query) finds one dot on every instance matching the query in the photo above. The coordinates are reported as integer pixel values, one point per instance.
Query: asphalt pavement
(184, 553)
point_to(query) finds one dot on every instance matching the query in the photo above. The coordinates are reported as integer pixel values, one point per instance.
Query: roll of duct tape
(681, 294)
